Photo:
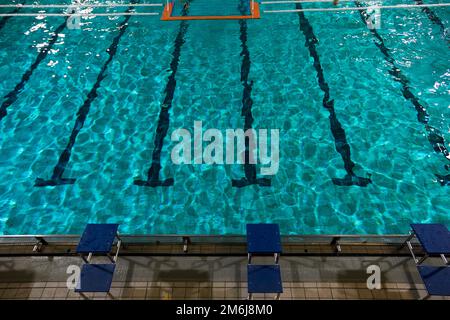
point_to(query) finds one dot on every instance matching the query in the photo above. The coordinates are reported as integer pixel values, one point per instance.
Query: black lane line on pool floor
(247, 103)
(12, 96)
(5, 19)
(82, 114)
(162, 128)
(433, 17)
(434, 136)
(338, 132)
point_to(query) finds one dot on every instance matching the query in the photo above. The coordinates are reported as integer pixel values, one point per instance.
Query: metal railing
(210, 239)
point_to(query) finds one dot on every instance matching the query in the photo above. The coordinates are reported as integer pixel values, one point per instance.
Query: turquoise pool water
(394, 176)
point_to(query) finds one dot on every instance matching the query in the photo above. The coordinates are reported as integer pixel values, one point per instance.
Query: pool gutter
(212, 245)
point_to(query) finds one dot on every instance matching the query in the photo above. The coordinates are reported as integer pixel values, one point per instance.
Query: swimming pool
(99, 105)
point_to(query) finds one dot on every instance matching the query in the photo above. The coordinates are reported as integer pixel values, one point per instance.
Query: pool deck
(215, 277)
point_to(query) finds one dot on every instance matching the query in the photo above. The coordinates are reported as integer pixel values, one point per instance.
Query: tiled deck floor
(193, 277)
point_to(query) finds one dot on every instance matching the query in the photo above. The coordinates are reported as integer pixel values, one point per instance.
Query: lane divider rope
(406, 6)
(50, 6)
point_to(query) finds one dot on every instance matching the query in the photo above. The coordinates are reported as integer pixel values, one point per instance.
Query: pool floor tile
(205, 293)
(317, 278)
(365, 294)
(298, 293)
(325, 293)
(338, 293)
(311, 293)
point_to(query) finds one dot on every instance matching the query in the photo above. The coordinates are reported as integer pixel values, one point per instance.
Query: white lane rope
(79, 14)
(400, 6)
(79, 5)
(302, 1)
(112, 5)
